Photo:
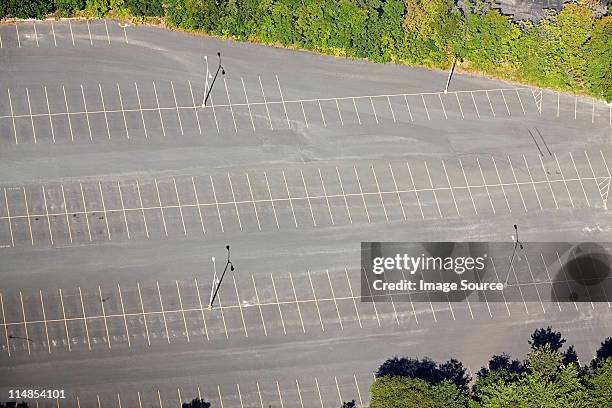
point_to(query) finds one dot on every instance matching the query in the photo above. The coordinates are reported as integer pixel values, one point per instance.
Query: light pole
(517, 243)
(20, 338)
(208, 89)
(450, 74)
(217, 285)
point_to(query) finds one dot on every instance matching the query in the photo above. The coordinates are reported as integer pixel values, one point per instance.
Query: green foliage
(600, 384)
(568, 50)
(68, 7)
(25, 9)
(98, 7)
(144, 7)
(402, 392)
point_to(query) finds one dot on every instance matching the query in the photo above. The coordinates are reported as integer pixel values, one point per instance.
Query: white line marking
(373, 109)
(31, 117)
(86, 112)
(246, 334)
(195, 108)
(532, 183)
(65, 321)
(178, 200)
(246, 97)
(416, 193)
(314, 222)
(442, 103)
(319, 392)
(46, 214)
(201, 309)
(195, 193)
(107, 36)
(564, 180)
(304, 113)
(299, 393)
(144, 125)
(216, 203)
(49, 113)
(517, 184)
(361, 193)
(280, 312)
(42, 306)
(348, 211)
(161, 208)
(426, 110)
(25, 324)
(271, 200)
(335, 300)
(161, 304)
(399, 198)
(178, 291)
(89, 31)
(580, 179)
(127, 333)
(501, 184)
(212, 105)
(474, 102)
(85, 209)
(104, 109)
(549, 184)
(263, 322)
(25, 198)
(68, 112)
(84, 318)
(297, 303)
(326, 197)
(459, 103)
(127, 228)
(104, 210)
(253, 199)
(505, 103)
(356, 111)
(484, 181)
(235, 202)
(353, 296)
(230, 105)
(18, 40)
(490, 104)
(265, 102)
(283, 99)
(467, 185)
(104, 316)
(71, 33)
(339, 114)
(127, 132)
(279, 395)
(161, 120)
(433, 190)
(390, 107)
(314, 296)
(450, 187)
(380, 194)
(321, 110)
(8, 345)
(408, 106)
(66, 213)
(12, 113)
(144, 317)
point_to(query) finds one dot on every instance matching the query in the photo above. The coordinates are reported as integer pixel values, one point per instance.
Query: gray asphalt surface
(117, 193)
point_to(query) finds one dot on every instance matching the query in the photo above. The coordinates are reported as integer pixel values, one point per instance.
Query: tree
(603, 352)
(196, 403)
(599, 56)
(391, 392)
(542, 337)
(599, 383)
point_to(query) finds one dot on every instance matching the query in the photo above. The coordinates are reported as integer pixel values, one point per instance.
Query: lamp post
(217, 285)
(208, 89)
